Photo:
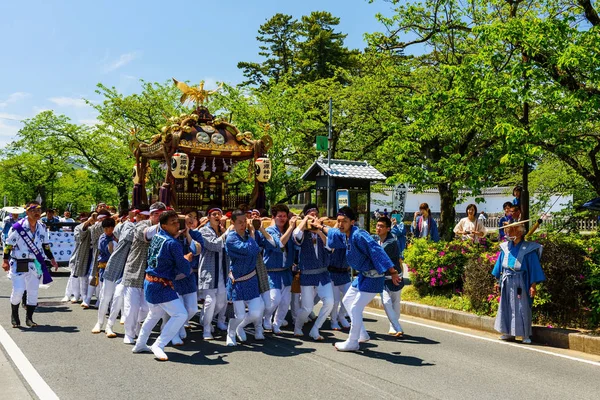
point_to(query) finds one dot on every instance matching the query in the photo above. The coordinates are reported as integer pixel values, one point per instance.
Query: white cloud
(123, 60)
(8, 132)
(13, 117)
(13, 98)
(68, 102)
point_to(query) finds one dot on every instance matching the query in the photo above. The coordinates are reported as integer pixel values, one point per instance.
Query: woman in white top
(470, 227)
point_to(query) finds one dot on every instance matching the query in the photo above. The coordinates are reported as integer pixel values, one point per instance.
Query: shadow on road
(394, 357)
(405, 339)
(50, 328)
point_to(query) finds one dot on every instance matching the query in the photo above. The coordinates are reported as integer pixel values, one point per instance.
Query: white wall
(492, 203)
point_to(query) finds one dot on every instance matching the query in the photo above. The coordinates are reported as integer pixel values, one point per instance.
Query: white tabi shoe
(65, 299)
(141, 348)
(176, 341)
(122, 320)
(314, 333)
(344, 323)
(526, 341)
(85, 305)
(128, 340)
(298, 332)
(507, 337)
(347, 346)
(159, 353)
(276, 330)
(259, 334)
(335, 326)
(267, 326)
(222, 326)
(208, 336)
(284, 324)
(241, 334)
(97, 329)
(230, 341)
(364, 339)
(75, 300)
(110, 333)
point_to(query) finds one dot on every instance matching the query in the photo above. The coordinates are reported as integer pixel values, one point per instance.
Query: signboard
(322, 144)
(399, 198)
(342, 197)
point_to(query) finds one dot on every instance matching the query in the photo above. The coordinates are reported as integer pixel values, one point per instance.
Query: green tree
(278, 38)
(321, 50)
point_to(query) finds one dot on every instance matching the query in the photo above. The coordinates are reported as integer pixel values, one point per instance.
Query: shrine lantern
(262, 167)
(180, 165)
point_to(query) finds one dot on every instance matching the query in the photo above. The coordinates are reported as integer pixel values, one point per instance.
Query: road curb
(554, 337)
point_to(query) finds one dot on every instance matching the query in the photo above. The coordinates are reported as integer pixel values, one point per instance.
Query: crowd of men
(152, 265)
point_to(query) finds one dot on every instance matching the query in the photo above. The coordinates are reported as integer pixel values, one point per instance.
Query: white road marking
(496, 341)
(33, 378)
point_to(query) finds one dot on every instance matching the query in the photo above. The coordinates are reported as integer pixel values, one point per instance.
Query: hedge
(570, 297)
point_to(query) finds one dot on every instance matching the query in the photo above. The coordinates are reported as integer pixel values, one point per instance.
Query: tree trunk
(447, 199)
(123, 195)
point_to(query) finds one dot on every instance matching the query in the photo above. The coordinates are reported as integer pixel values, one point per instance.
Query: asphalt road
(428, 363)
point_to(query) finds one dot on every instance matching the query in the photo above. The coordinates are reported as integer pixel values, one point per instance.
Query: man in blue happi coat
(242, 286)
(313, 260)
(518, 271)
(278, 261)
(367, 257)
(166, 263)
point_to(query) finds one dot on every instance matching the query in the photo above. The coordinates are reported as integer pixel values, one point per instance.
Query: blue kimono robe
(274, 259)
(242, 252)
(165, 260)
(364, 255)
(517, 268)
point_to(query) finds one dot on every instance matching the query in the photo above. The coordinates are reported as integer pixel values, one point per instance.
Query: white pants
(135, 310)
(177, 313)
(355, 302)
(110, 293)
(69, 290)
(391, 305)
(190, 302)
(307, 299)
(295, 306)
(93, 290)
(339, 311)
(242, 318)
(277, 301)
(80, 287)
(215, 302)
(20, 283)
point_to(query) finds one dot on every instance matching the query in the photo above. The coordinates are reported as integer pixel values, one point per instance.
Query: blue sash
(39, 258)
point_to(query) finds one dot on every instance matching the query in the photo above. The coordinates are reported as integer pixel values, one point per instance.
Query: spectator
(482, 216)
(470, 227)
(517, 193)
(505, 219)
(50, 220)
(424, 226)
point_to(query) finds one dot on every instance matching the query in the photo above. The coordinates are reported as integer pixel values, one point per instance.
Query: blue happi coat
(165, 260)
(308, 260)
(338, 263)
(242, 252)
(189, 284)
(364, 255)
(277, 258)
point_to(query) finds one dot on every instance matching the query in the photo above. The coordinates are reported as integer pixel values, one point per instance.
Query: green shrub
(479, 283)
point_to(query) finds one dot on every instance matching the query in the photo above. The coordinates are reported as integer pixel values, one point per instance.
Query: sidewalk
(561, 338)
(13, 386)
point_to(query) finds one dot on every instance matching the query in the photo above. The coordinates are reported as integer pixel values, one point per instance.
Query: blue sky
(55, 52)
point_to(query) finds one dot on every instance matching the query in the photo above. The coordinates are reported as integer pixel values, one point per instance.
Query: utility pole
(329, 142)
